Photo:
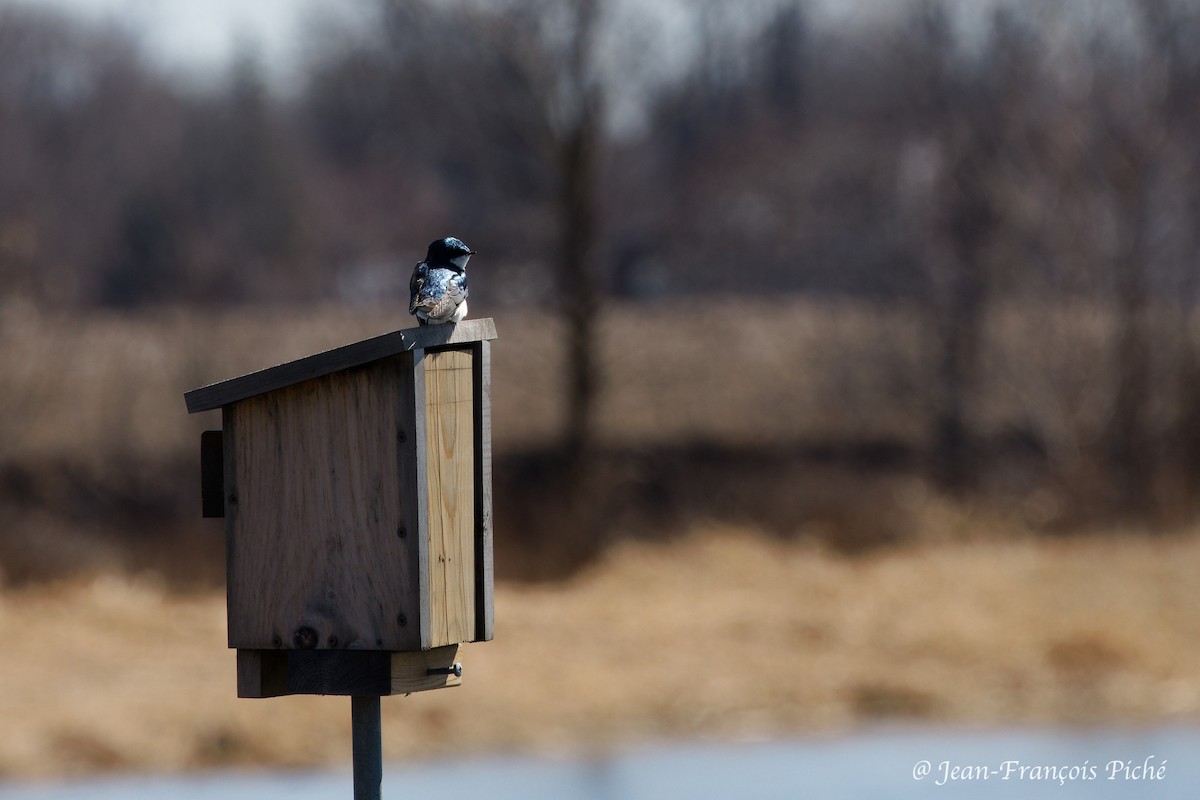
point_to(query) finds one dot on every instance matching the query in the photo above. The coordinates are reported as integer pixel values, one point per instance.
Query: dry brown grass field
(722, 635)
(721, 602)
(749, 372)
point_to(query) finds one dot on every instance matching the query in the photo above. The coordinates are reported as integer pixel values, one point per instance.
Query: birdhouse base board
(275, 673)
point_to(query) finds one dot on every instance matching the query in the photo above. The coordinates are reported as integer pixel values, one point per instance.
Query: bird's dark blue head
(448, 252)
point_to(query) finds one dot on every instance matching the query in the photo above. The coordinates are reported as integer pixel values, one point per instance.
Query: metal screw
(402, 531)
(403, 620)
(332, 641)
(277, 641)
(401, 437)
(454, 669)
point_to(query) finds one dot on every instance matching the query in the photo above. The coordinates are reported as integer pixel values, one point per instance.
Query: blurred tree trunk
(1127, 136)
(1184, 440)
(980, 113)
(956, 113)
(1171, 29)
(579, 234)
(1129, 447)
(970, 223)
(579, 150)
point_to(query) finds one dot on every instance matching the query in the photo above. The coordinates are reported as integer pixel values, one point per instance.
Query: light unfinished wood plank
(420, 487)
(450, 453)
(410, 671)
(315, 555)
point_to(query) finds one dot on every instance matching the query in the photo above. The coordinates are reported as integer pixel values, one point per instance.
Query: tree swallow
(439, 283)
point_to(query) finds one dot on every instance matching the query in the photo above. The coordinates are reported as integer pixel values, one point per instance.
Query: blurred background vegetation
(780, 263)
(848, 362)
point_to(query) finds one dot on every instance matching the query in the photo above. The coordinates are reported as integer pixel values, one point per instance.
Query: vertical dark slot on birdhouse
(482, 400)
(212, 474)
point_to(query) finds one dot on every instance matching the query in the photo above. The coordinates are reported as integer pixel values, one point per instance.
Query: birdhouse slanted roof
(234, 390)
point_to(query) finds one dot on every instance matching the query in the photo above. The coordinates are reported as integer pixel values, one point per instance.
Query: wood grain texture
(229, 481)
(420, 493)
(348, 356)
(322, 536)
(410, 671)
(450, 476)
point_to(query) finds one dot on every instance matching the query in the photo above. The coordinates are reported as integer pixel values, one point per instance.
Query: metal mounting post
(367, 736)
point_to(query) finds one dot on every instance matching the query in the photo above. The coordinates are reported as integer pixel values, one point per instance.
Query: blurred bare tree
(514, 125)
(1146, 121)
(966, 121)
(580, 136)
(972, 165)
(82, 122)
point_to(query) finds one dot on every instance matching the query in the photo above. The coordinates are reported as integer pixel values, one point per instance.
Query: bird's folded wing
(449, 301)
(415, 287)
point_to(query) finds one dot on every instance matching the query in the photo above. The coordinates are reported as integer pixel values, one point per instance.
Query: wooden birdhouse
(356, 490)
